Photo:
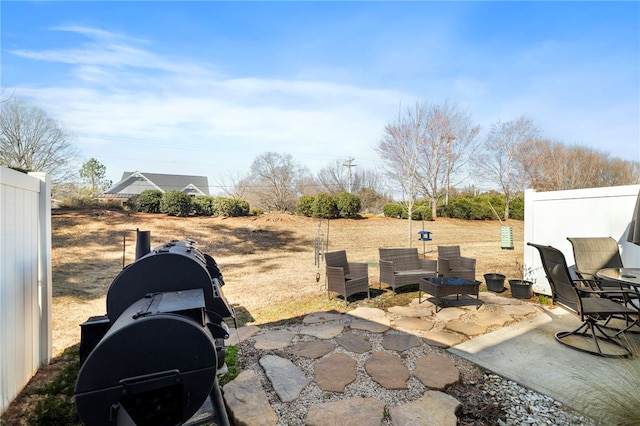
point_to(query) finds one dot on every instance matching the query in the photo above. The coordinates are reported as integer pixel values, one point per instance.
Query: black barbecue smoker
(153, 359)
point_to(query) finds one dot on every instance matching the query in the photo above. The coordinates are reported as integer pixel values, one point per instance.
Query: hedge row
(326, 206)
(471, 208)
(177, 203)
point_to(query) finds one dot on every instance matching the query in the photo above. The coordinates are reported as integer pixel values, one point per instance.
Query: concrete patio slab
(527, 353)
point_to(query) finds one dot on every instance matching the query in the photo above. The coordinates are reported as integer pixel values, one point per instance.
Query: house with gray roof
(134, 183)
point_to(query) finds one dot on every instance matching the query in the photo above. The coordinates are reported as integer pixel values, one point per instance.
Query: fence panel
(551, 217)
(25, 279)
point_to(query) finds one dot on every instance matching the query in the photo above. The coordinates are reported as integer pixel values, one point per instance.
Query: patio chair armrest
(429, 264)
(335, 274)
(386, 272)
(468, 263)
(358, 269)
(443, 267)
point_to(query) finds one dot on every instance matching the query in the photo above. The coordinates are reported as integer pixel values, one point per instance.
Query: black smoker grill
(153, 359)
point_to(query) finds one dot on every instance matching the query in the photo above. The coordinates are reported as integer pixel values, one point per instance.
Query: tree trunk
(434, 208)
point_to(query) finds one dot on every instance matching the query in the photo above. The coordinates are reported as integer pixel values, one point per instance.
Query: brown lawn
(267, 261)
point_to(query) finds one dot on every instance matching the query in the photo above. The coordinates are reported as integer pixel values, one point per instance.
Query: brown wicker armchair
(346, 278)
(452, 264)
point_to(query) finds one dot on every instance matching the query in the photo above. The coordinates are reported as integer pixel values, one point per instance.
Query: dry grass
(267, 261)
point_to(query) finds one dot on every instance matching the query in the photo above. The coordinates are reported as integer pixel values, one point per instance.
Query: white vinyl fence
(25, 279)
(551, 217)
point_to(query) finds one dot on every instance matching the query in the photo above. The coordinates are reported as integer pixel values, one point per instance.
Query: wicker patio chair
(346, 278)
(452, 264)
(587, 304)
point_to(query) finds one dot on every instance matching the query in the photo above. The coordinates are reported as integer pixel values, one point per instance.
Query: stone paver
(335, 372)
(322, 331)
(387, 370)
(312, 349)
(241, 334)
(492, 319)
(367, 313)
(493, 299)
(436, 371)
(414, 324)
(378, 326)
(442, 339)
(277, 339)
(354, 343)
(287, 379)
(347, 412)
(321, 317)
(433, 409)
(400, 342)
(413, 311)
(247, 403)
(450, 313)
(466, 328)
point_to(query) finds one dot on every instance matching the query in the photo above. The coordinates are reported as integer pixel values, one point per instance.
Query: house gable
(134, 183)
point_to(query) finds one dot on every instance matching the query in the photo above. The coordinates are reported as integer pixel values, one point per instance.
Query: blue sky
(204, 87)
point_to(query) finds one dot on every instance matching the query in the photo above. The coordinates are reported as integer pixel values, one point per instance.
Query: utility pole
(349, 164)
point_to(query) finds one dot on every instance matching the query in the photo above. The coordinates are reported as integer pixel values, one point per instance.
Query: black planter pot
(495, 282)
(521, 289)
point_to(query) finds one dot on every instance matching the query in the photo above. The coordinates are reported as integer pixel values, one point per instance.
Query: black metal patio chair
(587, 304)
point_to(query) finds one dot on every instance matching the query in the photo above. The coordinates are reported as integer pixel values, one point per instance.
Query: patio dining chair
(594, 253)
(344, 277)
(587, 304)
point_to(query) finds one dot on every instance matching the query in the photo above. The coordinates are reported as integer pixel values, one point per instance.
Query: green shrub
(422, 212)
(57, 407)
(203, 205)
(304, 206)
(148, 201)
(256, 212)
(348, 205)
(229, 207)
(176, 203)
(516, 208)
(324, 207)
(392, 210)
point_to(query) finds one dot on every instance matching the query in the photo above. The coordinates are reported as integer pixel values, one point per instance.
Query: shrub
(348, 205)
(392, 210)
(304, 206)
(256, 212)
(229, 207)
(203, 205)
(422, 212)
(516, 208)
(324, 207)
(148, 201)
(176, 203)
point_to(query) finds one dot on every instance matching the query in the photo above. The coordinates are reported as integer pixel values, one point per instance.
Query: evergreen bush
(348, 205)
(176, 203)
(304, 206)
(392, 210)
(203, 205)
(148, 201)
(324, 206)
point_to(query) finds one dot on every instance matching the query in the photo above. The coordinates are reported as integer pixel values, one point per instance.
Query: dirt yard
(268, 261)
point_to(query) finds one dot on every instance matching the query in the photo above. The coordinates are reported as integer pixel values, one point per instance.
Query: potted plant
(522, 287)
(495, 282)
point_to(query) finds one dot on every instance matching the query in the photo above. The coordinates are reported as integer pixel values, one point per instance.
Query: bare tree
(338, 176)
(276, 181)
(553, 166)
(235, 186)
(32, 141)
(506, 150)
(426, 146)
(400, 151)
